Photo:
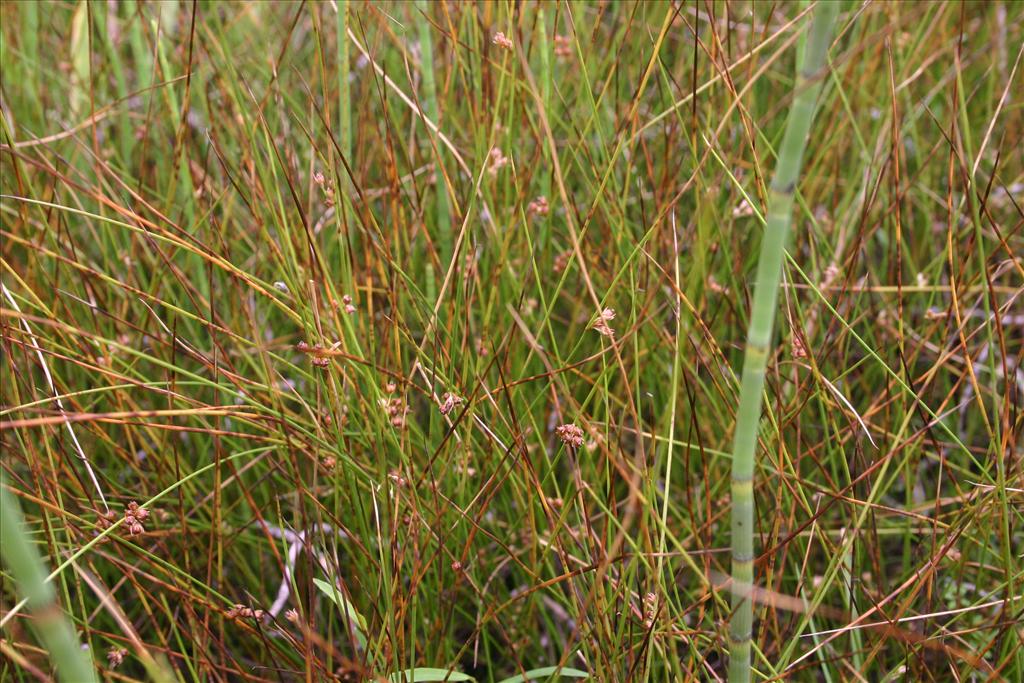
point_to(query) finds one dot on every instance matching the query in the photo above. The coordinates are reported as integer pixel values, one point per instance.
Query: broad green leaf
(346, 608)
(421, 674)
(546, 672)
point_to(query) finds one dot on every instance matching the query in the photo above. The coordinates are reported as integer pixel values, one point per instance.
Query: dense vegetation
(344, 339)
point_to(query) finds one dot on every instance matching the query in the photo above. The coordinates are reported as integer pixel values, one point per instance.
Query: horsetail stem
(344, 87)
(25, 565)
(430, 108)
(759, 334)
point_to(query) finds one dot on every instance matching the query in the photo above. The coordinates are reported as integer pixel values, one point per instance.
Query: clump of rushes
(23, 562)
(759, 333)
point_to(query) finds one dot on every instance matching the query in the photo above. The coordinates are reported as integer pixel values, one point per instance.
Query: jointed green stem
(430, 107)
(344, 89)
(759, 334)
(27, 568)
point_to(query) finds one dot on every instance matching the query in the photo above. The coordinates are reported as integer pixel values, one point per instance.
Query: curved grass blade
(422, 674)
(545, 673)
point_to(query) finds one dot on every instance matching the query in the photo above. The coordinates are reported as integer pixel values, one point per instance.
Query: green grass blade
(545, 673)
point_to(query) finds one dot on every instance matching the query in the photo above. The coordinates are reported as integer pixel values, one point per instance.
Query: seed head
(601, 322)
(115, 656)
(715, 286)
(326, 186)
(497, 161)
(570, 434)
(134, 516)
(243, 612)
(538, 207)
(396, 409)
(650, 609)
(104, 520)
(448, 402)
(799, 350)
(562, 261)
(563, 47)
(743, 209)
(502, 41)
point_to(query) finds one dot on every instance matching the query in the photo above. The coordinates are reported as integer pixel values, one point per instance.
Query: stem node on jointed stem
(759, 334)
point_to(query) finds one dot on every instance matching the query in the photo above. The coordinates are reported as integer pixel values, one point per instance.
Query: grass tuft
(417, 331)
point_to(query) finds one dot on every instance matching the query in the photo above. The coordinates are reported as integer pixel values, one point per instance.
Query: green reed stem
(344, 88)
(444, 227)
(809, 70)
(26, 566)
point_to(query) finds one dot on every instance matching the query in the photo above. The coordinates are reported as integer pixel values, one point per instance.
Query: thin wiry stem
(56, 397)
(759, 333)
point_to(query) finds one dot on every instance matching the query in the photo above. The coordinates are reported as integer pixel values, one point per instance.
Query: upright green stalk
(759, 334)
(344, 89)
(342, 180)
(444, 228)
(25, 565)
